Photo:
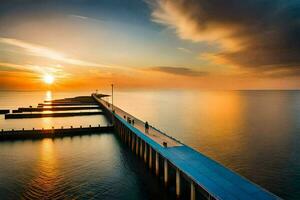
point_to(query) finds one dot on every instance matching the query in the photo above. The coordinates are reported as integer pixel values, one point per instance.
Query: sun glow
(48, 79)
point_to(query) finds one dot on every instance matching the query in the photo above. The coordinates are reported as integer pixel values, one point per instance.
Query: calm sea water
(255, 133)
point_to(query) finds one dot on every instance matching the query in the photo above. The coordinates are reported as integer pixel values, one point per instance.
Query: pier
(39, 115)
(66, 104)
(4, 111)
(55, 108)
(41, 112)
(53, 132)
(192, 174)
(181, 169)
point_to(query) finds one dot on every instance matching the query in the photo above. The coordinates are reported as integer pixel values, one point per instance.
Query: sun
(48, 79)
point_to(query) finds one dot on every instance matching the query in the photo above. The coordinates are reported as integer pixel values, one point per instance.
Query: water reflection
(48, 96)
(217, 119)
(44, 184)
(255, 133)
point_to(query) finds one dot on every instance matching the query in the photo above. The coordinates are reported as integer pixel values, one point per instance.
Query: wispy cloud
(35, 69)
(183, 71)
(79, 16)
(13, 67)
(185, 50)
(41, 51)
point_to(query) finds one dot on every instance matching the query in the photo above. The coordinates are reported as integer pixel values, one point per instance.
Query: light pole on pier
(112, 103)
(112, 97)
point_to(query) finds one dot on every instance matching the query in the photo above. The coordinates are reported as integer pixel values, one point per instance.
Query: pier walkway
(152, 133)
(213, 179)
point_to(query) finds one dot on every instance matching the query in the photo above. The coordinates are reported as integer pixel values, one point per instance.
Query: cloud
(256, 34)
(185, 50)
(13, 67)
(179, 71)
(41, 51)
(79, 16)
(33, 69)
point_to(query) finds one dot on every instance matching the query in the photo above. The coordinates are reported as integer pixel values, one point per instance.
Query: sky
(149, 44)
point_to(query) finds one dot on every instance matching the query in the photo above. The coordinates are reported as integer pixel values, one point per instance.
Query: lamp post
(112, 103)
(112, 97)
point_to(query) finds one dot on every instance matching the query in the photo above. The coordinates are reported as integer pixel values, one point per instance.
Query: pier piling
(145, 152)
(157, 163)
(137, 146)
(166, 172)
(177, 183)
(150, 157)
(141, 148)
(193, 192)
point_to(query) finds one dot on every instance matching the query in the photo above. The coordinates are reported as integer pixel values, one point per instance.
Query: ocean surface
(254, 133)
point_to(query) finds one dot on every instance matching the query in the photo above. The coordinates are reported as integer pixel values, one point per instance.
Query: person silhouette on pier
(146, 127)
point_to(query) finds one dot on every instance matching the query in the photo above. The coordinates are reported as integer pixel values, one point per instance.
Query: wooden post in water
(177, 183)
(166, 171)
(130, 138)
(141, 147)
(193, 192)
(132, 142)
(123, 133)
(156, 163)
(145, 152)
(125, 136)
(150, 157)
(137, 145)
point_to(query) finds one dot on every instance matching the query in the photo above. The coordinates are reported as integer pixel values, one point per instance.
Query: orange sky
(165, 44)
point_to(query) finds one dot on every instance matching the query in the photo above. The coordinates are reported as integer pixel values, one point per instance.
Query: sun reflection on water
(46, 122)
(45, 182)
(48, 95)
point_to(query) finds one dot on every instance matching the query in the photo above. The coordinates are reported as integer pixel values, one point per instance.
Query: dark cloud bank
(267, 30)
(183, 71)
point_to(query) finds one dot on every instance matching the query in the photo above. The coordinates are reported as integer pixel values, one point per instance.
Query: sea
(254, 133)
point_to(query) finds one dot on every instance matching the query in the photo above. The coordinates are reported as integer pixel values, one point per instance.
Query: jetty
(66, 104)
(39, 115)
(39, 112)
(179, 165)
(4, 111)
(54, 108)
(53, 132)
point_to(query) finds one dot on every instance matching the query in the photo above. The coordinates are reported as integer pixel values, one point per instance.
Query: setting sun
(48, 79)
